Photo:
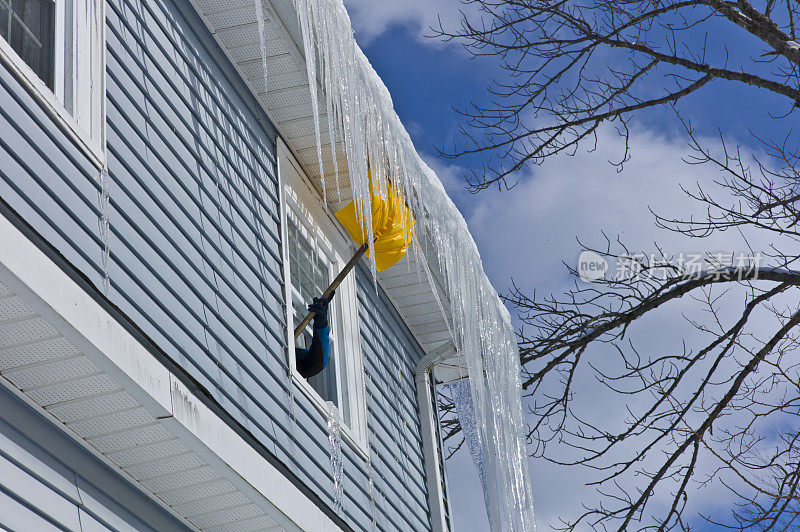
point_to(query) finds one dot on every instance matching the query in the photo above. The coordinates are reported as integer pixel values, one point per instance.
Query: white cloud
(527, 232)
(372, 18)
(538, 221)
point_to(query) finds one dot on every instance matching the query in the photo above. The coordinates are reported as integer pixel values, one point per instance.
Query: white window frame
(77, 103)
(298, 195)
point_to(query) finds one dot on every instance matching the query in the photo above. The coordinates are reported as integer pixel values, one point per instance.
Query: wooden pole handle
(333, 286)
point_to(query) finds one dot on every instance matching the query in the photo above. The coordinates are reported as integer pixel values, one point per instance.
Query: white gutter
(430, 443)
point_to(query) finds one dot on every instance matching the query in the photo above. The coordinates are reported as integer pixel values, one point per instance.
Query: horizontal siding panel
(16, 515)
(394, 426)
(36, 463)
(49, 503)
(49, 183)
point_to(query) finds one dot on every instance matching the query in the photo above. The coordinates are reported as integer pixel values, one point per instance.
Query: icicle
(331, 112)
(462, 397)
(485, 338)
(259, 6)
(372, 509)
(105, 228)
(306, 20)
(335, 440)
(362, 117)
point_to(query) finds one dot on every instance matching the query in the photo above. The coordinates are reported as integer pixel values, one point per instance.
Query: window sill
(358, 445)
(50, 104)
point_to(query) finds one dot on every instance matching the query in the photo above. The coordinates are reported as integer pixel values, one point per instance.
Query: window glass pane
(304, 340)
(30, 29)
(5, 19)
(293, 262)
(310, 276)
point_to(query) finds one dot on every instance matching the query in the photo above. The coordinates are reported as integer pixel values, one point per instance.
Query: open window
(311, 269)
(56, 48)
(315, 250)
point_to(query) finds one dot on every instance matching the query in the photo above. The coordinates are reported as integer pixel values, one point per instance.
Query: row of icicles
(362, 124)
(361, 120)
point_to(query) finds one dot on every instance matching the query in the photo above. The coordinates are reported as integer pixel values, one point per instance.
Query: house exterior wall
(390, 359)
(195, 250)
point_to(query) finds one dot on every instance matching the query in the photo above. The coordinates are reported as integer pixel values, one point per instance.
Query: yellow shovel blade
(392, 226)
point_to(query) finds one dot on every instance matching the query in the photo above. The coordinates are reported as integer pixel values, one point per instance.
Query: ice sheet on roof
(361, 115)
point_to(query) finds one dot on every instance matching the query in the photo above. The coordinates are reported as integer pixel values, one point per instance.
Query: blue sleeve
(313, 360)
(323, 335)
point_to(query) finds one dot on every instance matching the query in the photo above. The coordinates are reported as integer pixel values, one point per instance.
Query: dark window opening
(29, 27)
(310, 276)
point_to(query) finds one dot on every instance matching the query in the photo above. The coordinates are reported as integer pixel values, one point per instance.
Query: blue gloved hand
(320, 309)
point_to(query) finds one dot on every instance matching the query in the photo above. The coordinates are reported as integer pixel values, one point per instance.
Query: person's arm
(312, 361)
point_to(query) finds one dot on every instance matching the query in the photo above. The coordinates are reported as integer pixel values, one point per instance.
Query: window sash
(301, 204)
(304, 250)
(30, 27)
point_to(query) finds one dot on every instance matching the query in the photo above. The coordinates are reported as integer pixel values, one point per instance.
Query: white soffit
(286, 99)
(74, 363)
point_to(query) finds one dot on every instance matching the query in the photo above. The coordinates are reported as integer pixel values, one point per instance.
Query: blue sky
(538, 221)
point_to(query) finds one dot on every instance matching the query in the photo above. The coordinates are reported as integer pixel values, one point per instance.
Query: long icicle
(335, 441)
(262, 38)
(309, 44)
(105, 227)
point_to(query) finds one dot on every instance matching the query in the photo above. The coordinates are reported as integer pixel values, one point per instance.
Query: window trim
(60, 45)
(334, 244)
(48, 100)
